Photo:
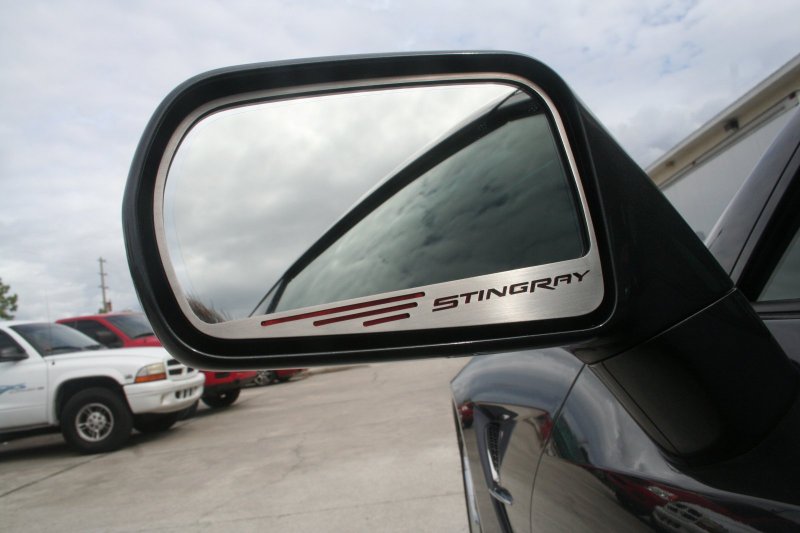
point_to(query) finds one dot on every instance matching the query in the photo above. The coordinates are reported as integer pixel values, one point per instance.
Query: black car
(634, 442)
(626, 377)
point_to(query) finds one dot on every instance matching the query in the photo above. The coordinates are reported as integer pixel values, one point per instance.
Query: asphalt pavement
(360, 448)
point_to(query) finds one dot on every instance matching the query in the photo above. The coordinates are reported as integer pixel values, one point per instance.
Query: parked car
(53, 377)
(265, 377)
(115, 330)
(625, 377)
(128, 329)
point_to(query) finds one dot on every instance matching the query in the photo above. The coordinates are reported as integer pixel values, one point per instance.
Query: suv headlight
(153, 372)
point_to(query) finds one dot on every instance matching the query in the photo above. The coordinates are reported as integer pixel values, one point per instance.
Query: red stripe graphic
(386, 319)
(365, 313)
(333, 310)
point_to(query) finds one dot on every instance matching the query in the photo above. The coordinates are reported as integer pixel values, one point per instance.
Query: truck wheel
(155, 423)
(96, 420)
(221, 399)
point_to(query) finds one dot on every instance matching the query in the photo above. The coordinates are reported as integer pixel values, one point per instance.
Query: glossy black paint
(521, 393)
(656, 255)
(697, 427)
(691, 386)
(602, 472)
(597, 468)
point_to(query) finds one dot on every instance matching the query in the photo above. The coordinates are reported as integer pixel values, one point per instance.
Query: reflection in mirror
(476, 185)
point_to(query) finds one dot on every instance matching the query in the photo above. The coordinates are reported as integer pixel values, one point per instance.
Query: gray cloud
(80, 80)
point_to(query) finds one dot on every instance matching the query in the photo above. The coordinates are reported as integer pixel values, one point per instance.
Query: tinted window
(7, 342)
(134, 325)
(95, 330)
(784, 282)
(500, 202)
(52, 339)
(703, 192)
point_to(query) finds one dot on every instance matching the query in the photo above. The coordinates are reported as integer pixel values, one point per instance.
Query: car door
(23, 387)
(607, 464)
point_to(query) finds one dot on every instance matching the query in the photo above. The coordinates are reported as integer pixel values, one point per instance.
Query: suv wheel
(96, 420)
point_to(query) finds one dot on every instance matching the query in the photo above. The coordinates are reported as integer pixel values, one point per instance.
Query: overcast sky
(79, 80)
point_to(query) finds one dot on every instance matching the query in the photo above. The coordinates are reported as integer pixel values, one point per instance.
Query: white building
(701, 174)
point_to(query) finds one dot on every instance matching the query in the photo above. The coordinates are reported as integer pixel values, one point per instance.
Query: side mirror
(499, 215)
(12, 353)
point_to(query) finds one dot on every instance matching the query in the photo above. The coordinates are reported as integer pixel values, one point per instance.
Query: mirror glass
(286, 204)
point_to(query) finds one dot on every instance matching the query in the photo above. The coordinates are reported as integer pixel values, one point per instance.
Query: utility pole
(106, 304)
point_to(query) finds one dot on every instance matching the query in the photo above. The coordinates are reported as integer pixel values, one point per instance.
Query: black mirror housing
(655, 271)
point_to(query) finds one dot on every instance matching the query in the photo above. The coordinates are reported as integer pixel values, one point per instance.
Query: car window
(784, 281)
(94, 330)
(772, 278)
(7, 342)
(134, 325)
(55, 339)
(702, 192)
(500, 203)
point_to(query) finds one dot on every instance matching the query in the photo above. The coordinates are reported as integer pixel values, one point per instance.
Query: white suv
(53, 376)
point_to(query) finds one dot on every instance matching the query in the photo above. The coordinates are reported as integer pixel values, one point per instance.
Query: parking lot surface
(361, 448)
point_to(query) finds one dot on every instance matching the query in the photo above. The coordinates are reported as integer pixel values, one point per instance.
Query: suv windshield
(52, 339)
(134, 325)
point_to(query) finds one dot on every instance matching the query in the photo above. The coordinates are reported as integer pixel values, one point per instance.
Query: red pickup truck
(118, 330)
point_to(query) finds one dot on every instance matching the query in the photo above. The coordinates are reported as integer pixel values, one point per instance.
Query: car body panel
(599, 467)
(517, 418)
(286, 373)
(23, 388)
(611, 462)
(223, 381)
(164, 396)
